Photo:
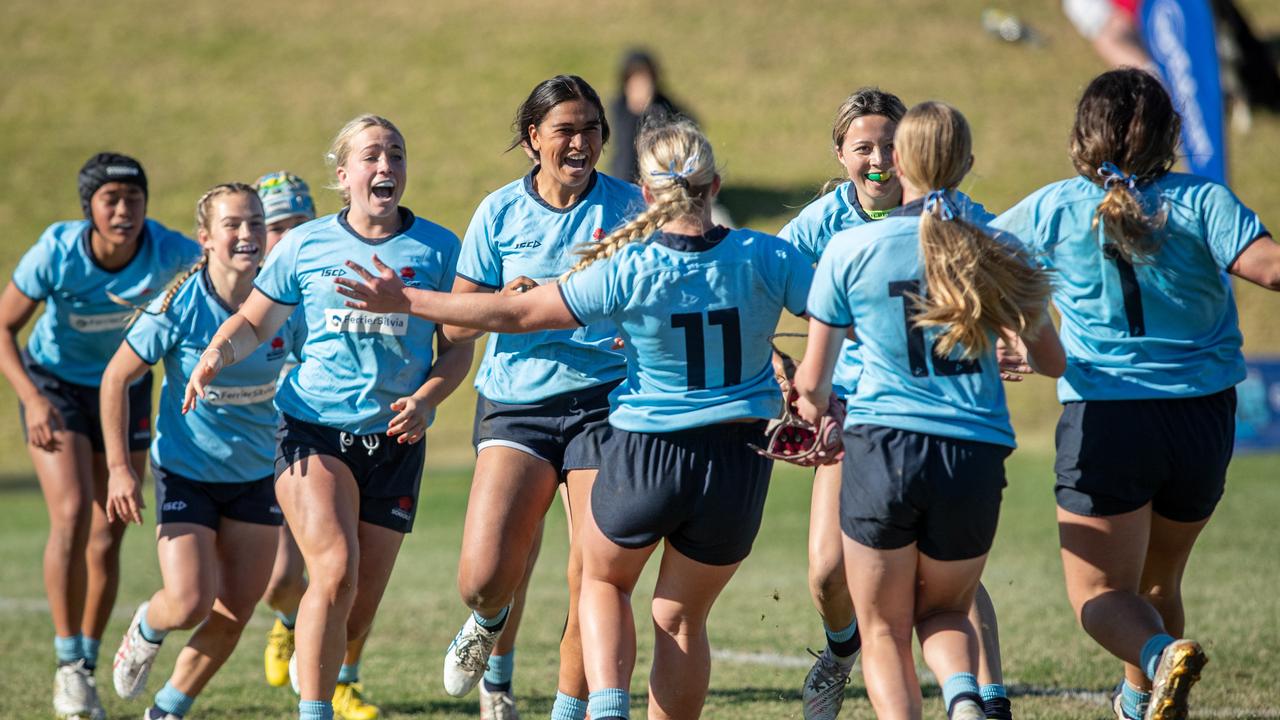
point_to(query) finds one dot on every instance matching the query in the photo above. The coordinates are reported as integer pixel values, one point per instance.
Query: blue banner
(1258, 407)
(1179, 34)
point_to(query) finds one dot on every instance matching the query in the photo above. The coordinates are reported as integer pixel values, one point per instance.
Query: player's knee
(190, 608)
(283, 592)
(677, 620)
(333, 575)
(487, 587)
(827, 584)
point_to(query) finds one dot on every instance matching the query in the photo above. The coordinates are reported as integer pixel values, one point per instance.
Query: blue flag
(1179, 34)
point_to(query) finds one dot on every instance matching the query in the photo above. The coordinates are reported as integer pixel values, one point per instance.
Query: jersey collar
(87, 246)
(406, 222)
(533, 192)
(692, 243)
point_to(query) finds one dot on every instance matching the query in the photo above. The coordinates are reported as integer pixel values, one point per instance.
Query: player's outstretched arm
(541, 308)
(257, 320)
(813, 377)
(1260, 263)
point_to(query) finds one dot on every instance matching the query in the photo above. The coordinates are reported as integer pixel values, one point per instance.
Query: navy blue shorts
(900, 487)
(1115, 456)
(566, 430)
(702, 489)
(180, 499)
(79, 407)
(387, 472)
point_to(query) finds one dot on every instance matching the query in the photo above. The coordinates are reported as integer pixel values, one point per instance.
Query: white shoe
(293, 674)
(71, 691)
(967, 710)
(152, 714)
(134, 659)
(96, 711)
(823, 691)
(468, 656)
(497, 705)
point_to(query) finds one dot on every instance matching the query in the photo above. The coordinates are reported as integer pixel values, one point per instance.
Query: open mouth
(384, 189)
(122, 227)
(879, 177)
(575, 161)
(246, 249)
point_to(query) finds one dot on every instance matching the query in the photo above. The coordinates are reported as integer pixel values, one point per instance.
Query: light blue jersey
(356, 363)
(81, 328)
(864, 280)
(1163, 328)
(230, 435)
(515, 232)
(695, 314)
(820, 220)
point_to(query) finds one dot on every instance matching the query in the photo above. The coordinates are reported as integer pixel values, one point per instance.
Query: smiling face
(118, 211)
(868, 150)
(374, 172)
(568, 143)
(236, 235)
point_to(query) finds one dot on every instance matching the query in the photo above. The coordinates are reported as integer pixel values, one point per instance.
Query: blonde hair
(204, 222)
(977, 285)
(340, 148)
(678, 167)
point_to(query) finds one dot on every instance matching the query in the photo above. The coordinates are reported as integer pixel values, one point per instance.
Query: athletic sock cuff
(568, 707)
(349, 673)
(609, 703)
(315, 710)
(1151, 653)
(173, 701)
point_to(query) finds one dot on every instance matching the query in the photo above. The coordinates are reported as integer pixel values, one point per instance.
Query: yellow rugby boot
(348, 703)
(276, 658)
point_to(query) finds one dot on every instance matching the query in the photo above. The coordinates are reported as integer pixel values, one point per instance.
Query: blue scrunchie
(1111, 175)
(677, 175)
(937, 199)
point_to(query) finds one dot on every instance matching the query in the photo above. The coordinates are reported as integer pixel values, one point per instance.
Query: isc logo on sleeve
(359, 322)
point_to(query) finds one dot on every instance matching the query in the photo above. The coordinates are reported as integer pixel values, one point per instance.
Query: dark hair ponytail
(1126, 118)
(544, 97)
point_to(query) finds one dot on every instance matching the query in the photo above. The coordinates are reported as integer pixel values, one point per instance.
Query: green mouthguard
(878, 177)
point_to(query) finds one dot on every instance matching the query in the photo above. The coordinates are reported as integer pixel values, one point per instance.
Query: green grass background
(209, 92)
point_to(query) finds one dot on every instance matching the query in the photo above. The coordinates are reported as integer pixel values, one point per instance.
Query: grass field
(761, 625)
(210, 92)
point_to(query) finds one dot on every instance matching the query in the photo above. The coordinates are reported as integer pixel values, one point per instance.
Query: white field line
(1016, 690)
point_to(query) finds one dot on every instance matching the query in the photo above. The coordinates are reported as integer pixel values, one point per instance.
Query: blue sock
(609, 703)
(149, 633)
(1151, 653)
(495, 623)
(995, 702)
(315, 710)
(960, 686)
(68, 649)
(288, 620)
(992, 691)
(568, 707)
(1133, 701)
(497, 676)
(89, 649)
(844, 643)
(172, 700)
(349, 673)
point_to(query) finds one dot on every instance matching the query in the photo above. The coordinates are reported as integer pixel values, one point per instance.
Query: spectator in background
(641, 90)
(1112, 27)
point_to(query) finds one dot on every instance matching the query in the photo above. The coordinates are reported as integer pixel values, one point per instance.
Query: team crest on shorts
(277, 349)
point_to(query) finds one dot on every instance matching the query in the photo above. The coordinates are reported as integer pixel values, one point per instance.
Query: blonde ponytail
(977, 285)
(677, 167)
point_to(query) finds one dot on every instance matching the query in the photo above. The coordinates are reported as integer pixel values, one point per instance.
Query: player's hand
(410, 423)
(519, 286)
(381, 293)
(1011, 356)
(207, 368)
(124, 496)
(810, 411)
(43, 421)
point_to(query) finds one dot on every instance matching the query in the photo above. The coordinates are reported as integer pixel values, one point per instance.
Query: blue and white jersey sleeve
(1229, 226)
(479, 261)
(154, 333)
(591, 294)
(828, 302)
(277, 279)
(36, 273)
